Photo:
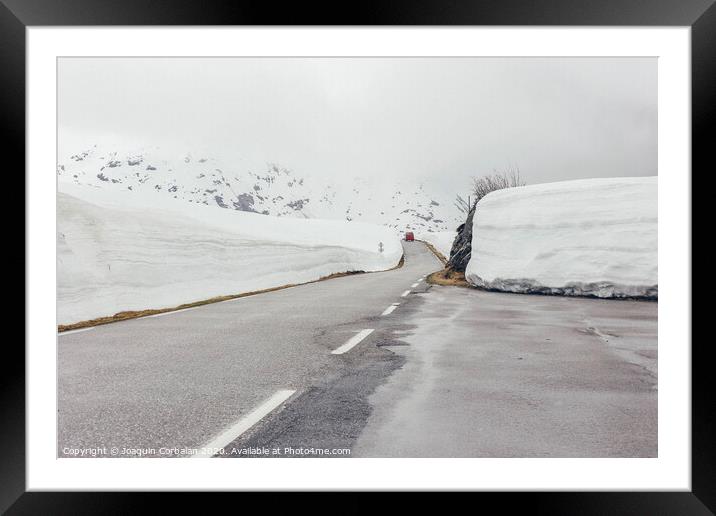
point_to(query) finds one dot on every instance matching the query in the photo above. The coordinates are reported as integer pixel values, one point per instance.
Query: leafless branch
(497, 181)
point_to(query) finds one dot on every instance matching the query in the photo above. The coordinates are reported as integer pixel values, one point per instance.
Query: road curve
(157, 386)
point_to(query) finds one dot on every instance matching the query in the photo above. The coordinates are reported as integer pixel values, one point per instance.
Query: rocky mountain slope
(264, 188)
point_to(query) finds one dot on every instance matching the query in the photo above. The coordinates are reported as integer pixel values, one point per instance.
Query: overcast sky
(445, 119)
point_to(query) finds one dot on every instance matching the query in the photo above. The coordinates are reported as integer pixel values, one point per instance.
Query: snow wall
(591, 237)
(118, 253)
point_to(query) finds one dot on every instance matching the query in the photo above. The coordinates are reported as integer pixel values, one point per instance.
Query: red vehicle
(409, 237)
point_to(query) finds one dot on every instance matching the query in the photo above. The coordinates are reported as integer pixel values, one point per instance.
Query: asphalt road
(448, 372)
(508, 375)
(158, 385)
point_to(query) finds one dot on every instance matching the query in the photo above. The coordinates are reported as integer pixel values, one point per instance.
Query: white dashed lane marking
(242, 425)
(390, 309)
(405, 293)
(352, 342)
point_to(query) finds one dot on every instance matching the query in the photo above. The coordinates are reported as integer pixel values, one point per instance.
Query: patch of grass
(448, 277)
(400, 263)
(134, 314)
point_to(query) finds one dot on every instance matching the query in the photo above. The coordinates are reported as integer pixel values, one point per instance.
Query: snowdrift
(128, 252)
(440, 240)
(592, 237)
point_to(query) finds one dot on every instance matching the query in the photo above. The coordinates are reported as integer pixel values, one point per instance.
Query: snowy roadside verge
(440, 241)
(133, 253)
(592, 237)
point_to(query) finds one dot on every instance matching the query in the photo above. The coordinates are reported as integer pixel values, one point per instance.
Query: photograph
(357, 257)
(416, 248)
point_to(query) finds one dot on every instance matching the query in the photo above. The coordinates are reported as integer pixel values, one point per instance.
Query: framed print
(427, 248)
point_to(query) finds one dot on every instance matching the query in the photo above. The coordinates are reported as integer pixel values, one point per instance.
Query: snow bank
(440, 240)
(128, 252)
(592, 237)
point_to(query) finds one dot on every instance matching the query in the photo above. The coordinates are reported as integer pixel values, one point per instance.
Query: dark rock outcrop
(244, 202)
(462, 246)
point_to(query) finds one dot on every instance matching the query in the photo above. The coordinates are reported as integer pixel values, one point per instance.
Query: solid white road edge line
(390, 309)
(70, 332)
(405, 293)
(355, 339)
(242, 425)
(175, 311)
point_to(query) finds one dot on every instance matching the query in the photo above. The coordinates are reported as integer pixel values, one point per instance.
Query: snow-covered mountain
(265, 188)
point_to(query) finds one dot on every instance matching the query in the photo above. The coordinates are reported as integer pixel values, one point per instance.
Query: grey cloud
(433, 119)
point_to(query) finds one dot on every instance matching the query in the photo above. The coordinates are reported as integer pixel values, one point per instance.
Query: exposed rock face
(245, 202)
(462, 246)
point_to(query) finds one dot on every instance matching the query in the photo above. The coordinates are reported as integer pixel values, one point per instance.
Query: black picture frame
(16, 15)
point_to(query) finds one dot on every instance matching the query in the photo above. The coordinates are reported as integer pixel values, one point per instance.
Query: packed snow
(592, 237)
(440, 240)
(120, 251)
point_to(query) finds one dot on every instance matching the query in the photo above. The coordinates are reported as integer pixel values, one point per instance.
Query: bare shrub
(482, 186)
(461, 204)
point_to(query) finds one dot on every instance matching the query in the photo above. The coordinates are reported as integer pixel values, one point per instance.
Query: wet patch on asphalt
(331, 414)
